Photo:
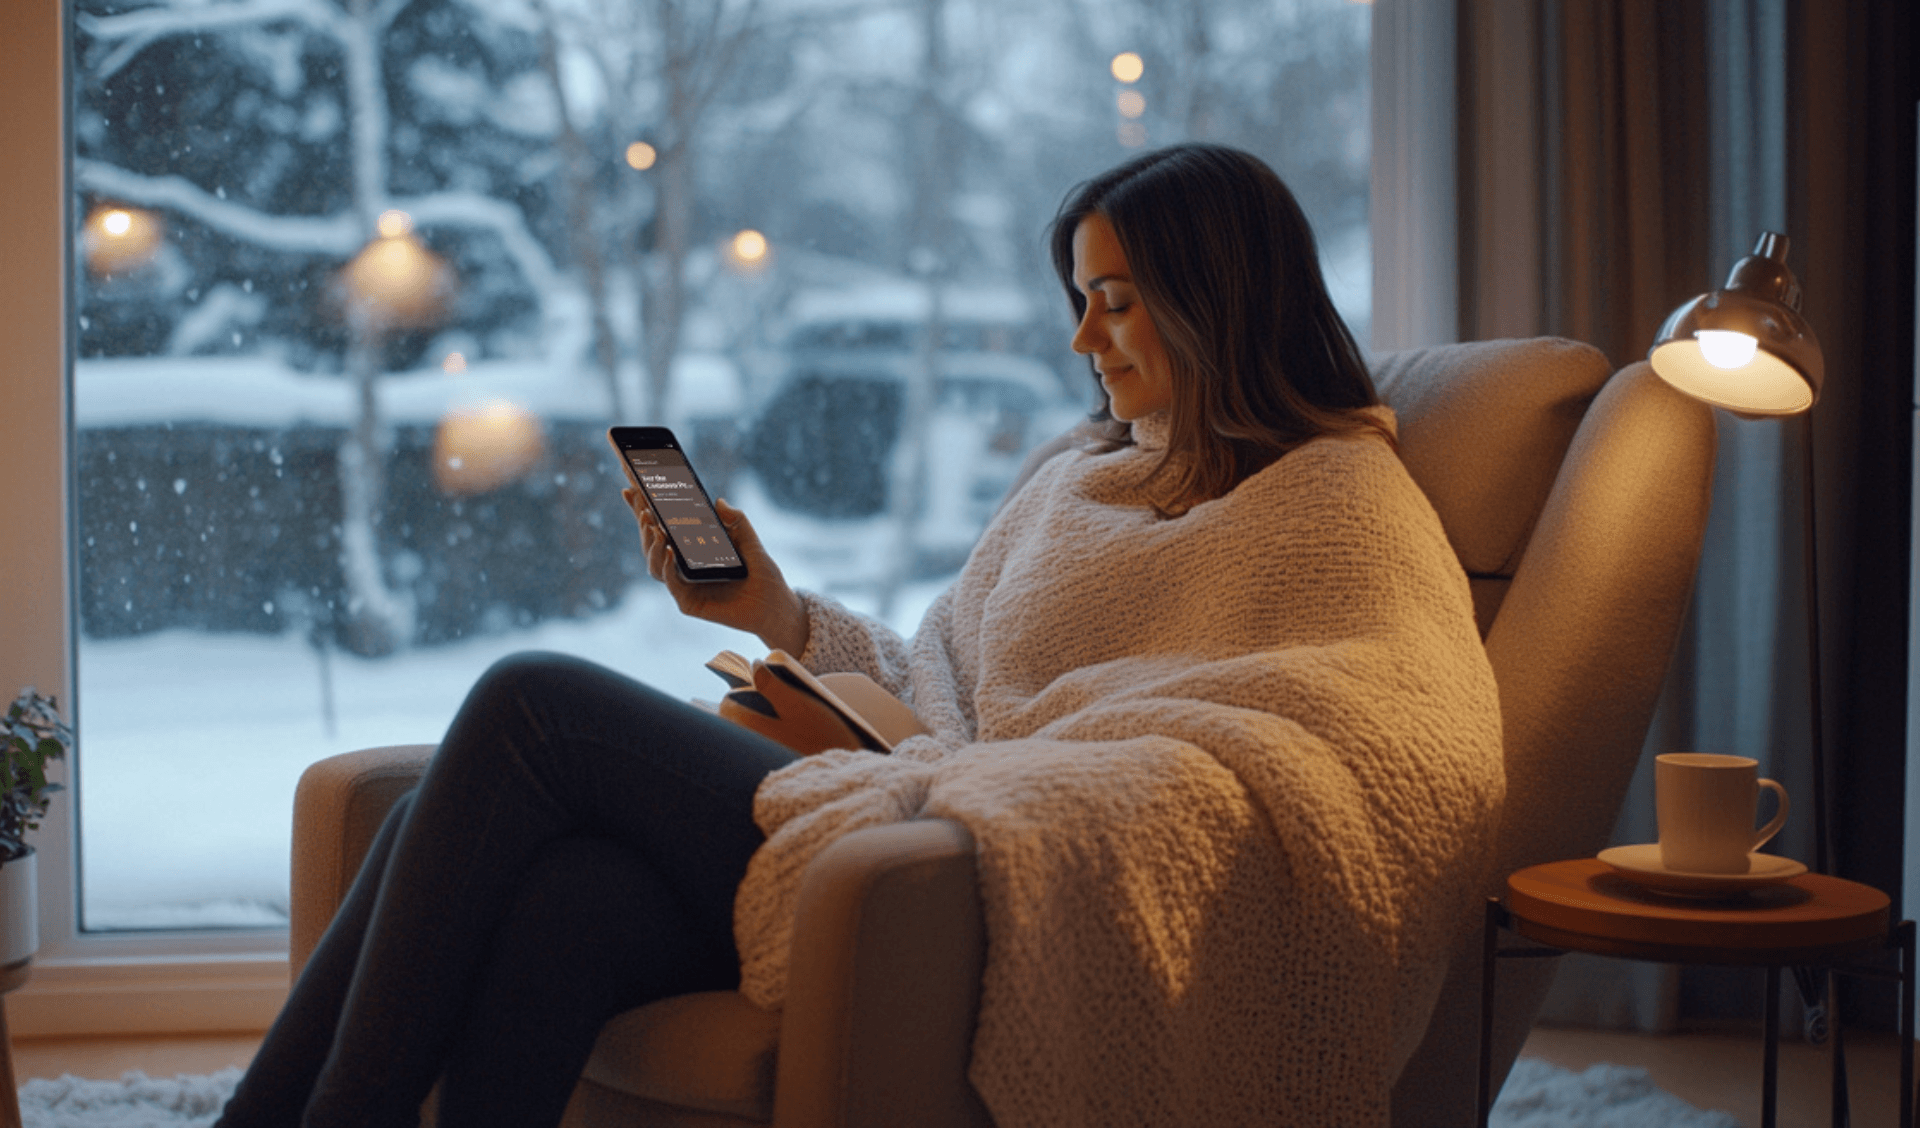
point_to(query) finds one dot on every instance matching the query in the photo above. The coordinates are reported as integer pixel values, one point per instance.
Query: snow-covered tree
(292, 128)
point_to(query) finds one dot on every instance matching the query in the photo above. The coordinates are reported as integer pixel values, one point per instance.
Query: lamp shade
(1745, 347)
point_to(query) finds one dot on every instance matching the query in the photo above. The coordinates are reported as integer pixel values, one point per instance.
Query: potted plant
(33, 736)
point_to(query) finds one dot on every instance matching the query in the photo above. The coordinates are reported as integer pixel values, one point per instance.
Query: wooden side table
(1583, 905)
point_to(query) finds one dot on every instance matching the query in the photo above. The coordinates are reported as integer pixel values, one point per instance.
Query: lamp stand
(1811, 555)
(1819, 992)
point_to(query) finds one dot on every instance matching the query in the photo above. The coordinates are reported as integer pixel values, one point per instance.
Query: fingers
(745, 538)
(655, 546)
(737, 525)
(806, 724)
(642, 514)
(660, 563)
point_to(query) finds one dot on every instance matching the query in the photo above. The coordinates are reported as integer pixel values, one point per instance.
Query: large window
(362, 282)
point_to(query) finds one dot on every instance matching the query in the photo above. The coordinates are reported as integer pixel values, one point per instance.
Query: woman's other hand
(802, 722)
(761, 604)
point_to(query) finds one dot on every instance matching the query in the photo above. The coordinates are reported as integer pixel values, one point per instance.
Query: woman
(1207, 693)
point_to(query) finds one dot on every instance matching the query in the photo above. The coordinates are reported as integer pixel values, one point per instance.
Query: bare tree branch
(338, 236)
(476, 211)
(133, 32)
(154, 23)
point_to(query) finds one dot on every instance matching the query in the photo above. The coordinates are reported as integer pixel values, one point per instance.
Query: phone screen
(699, 541)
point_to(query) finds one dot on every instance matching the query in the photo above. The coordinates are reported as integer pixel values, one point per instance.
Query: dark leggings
(571, 852)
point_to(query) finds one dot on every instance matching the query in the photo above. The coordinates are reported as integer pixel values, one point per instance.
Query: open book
(802, 710)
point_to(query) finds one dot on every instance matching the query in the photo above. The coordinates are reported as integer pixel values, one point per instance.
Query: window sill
(153, 995)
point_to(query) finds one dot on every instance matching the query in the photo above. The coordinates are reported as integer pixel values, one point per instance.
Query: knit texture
(1232, 777)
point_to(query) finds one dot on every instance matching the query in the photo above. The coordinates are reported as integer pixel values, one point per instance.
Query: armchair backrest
(1577, 500)
(1484, 428)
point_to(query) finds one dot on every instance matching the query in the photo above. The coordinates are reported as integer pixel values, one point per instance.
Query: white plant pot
(19, 909)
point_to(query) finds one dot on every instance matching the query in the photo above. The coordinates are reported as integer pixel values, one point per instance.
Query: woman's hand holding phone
(762, 604)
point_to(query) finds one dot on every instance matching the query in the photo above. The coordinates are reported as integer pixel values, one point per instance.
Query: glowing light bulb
(1725, 348)
(1131, 103)
(1128, 67)
(117, 222)
(641, 155)
(393, 224)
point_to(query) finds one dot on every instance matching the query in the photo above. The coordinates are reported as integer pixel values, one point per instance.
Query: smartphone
(654, 462)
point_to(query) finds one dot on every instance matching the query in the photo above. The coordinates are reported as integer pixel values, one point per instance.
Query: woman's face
(1116, 330)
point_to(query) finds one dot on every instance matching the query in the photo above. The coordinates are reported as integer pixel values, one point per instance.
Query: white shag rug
(1537, 1095)
(134, 1101)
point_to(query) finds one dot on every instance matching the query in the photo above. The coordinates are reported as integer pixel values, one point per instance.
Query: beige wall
(33, 613)
(33, 504)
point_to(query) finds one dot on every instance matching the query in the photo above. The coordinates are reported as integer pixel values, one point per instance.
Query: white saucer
(1642, 865)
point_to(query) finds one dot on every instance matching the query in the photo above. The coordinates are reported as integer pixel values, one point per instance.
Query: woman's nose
(1086, 337)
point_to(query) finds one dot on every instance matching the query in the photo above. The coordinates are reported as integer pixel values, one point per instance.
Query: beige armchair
(1576, 503)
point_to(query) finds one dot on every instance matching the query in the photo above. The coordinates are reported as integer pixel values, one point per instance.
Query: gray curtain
(1853, 80)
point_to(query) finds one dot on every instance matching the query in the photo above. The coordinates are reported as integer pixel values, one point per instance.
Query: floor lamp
(1746, 348)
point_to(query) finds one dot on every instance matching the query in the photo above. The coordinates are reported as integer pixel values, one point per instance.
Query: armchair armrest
(883, 986)
(337, 809)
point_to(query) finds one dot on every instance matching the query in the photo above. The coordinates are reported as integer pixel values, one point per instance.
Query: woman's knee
(536, 683)
(519, 690)
(527, 672)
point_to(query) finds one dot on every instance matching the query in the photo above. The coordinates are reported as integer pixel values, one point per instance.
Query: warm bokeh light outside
(748, 250)
(396, 281)
(478, 450)
(119, 239)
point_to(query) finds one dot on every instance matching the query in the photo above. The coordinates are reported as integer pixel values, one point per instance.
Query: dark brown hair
(1225, 263)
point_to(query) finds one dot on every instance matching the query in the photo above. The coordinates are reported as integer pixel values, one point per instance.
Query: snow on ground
(261, 391)
(191, 743)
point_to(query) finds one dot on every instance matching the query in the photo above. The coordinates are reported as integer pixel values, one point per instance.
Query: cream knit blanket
(1232, 778)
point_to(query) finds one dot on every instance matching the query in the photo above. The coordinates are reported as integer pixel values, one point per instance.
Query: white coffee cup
(1705, 804)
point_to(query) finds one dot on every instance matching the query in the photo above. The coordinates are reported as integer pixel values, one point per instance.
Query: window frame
(82, 983)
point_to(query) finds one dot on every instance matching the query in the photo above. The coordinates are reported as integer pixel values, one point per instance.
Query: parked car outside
(823, 439)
